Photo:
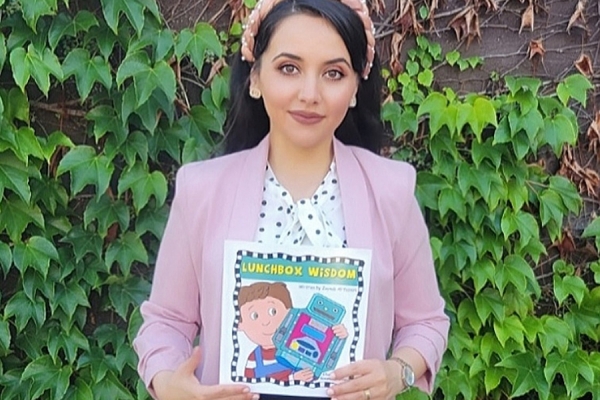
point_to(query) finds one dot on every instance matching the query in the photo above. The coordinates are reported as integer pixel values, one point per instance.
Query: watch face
(409, 376)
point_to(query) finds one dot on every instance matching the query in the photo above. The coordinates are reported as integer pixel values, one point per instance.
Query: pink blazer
(220, 199)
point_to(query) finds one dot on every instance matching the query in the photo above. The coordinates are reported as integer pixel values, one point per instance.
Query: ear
(254, 78)
(242, 327)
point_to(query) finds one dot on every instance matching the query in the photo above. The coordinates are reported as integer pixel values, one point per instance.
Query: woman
(302, 133)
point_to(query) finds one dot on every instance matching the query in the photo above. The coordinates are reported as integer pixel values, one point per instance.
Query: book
(291, 315)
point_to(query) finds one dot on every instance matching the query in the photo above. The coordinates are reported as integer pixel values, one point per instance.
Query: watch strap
(406, 367)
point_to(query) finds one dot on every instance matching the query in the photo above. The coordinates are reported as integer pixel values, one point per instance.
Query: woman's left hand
(372, 380)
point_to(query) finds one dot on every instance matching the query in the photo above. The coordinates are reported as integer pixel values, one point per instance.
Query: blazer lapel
(249, 193)
(353, 187)
(355, 197)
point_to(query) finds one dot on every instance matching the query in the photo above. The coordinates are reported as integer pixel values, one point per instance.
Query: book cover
(291, 315)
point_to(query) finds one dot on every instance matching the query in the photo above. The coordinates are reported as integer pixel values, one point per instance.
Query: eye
(272, 312)
(334, 74)
(288, 69)
(335, 310)
(254, 316)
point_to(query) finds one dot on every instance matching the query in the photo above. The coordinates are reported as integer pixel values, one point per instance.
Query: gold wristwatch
(408, 375)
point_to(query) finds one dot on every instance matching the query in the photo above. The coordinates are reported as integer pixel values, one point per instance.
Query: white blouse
(317, 221)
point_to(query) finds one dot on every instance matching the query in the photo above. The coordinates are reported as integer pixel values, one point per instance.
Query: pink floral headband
(263, 7)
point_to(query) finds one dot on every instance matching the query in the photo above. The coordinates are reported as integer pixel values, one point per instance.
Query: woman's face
(307, 82)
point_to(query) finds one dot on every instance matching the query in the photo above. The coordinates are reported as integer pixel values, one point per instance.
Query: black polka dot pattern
(317, 220)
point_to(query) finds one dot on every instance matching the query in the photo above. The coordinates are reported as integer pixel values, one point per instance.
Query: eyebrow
(298, 58)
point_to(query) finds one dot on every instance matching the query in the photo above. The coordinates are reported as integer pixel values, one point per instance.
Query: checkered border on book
(238, 284)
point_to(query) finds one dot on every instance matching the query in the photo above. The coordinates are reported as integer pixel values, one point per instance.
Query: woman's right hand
(182, 384)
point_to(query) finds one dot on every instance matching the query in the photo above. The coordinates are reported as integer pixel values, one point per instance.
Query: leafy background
(101, 102)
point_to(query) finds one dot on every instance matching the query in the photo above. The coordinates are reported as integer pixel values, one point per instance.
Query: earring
(255, 93)
(353, 102)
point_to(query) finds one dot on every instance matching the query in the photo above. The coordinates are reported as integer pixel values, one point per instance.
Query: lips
(306, 118)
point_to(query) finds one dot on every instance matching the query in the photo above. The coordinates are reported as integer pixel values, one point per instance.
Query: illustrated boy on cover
(263, 306)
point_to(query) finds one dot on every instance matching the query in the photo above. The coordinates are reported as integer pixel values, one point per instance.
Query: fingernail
(332, 376)
(330, 392)
(246, 390)
(255, 397)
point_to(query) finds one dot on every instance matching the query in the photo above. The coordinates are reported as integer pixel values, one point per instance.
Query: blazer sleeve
(171, 315)
(420, 321)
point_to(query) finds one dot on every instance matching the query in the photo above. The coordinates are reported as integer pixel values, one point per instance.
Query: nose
(310, 90)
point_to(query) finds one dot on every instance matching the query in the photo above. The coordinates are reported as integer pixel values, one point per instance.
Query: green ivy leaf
(79, 391)
(63, 25)
(452, 57)
(26, 64)
(167, 140)
(569, 285)
(33, 10)
(551, 207)
(68, 297)
(4, 335)
(106, 120)
(428, 187)
(16, 215)
(125, 250)
(451, 199)
(526, 84)
(87, 71)
(575, 86)
(559, 131)
(528, 376)
(135, 146)
(568, 193)
(198, 43)
(70, 342)
(133, 10)
(46, 375)
(489, 302)
(20, 67)
(467, 312)
(128, 292)
(84, 242)
(486, 150)
(557, 334)
(147, 78)
(3, 52)
(6, 257)
(28, 145)
(482, 115)
(492, 379)
(25, 310)
(55, 140)
(107, 212)
(518, 272)
(152, 220)
(425, 78)
(86, 168)
(592, 230)
(104, 38)
(16, 105)
(433, 105)
(143, 184)
(110, 387)
(37, 252)
(401, 120)
(571, 366)
(14, 176)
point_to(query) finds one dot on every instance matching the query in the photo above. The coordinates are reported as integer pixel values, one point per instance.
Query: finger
(226, 391)
(189, 366)
(354, 386)
(352, 370)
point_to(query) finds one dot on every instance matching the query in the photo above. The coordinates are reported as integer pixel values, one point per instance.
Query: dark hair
(247, 121)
